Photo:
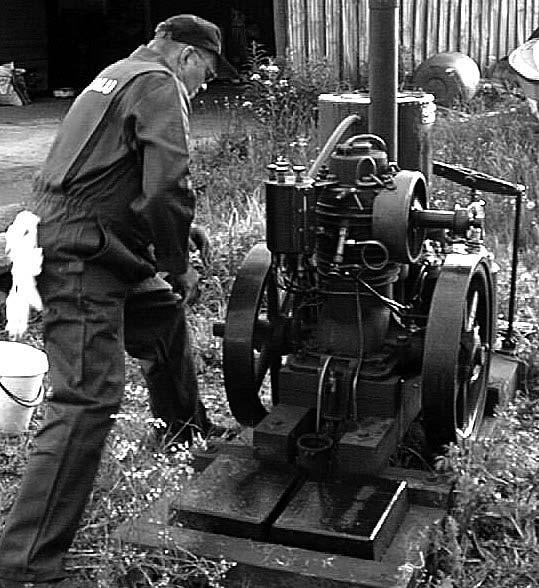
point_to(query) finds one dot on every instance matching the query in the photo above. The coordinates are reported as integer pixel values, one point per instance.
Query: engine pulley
(392, 221)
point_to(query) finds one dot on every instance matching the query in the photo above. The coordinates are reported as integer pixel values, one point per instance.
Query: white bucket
(22, 368)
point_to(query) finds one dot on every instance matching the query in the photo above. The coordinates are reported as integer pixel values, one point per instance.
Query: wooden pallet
(270, 562)
(276, 527)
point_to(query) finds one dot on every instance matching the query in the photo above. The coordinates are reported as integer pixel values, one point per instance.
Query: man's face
(196, 68)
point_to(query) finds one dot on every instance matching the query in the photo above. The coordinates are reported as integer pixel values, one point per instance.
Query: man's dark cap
(193, 30)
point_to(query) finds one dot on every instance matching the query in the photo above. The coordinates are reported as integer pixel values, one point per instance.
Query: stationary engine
(365, 306)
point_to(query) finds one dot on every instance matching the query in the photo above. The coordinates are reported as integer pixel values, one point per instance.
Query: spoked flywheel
(458, 343)
(253, 336)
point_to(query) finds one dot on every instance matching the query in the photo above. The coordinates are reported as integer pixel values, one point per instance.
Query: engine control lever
(480, 181)
(475, 179)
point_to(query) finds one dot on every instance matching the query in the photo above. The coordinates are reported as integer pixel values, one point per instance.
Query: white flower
(283, 83)
(256, 77)
(247, 104)
(273, 69)
(267, 82)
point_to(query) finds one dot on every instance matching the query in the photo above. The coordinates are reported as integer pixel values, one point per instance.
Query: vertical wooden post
(280, 27)
(350, 35)
(334, 51)
(298, 33)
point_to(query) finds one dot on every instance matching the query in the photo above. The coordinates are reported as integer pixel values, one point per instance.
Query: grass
(489, 539)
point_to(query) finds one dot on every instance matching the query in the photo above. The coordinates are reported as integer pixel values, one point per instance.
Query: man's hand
(185, 284)
(198, 239)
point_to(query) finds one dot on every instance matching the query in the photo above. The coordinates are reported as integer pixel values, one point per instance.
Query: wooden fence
(337, 30)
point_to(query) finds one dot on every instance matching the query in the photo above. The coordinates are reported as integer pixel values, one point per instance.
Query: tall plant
(283, 99)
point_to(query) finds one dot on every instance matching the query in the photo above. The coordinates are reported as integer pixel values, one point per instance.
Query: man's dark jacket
(115, 187)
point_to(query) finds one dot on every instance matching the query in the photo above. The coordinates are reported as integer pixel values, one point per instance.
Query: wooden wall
(337, 30)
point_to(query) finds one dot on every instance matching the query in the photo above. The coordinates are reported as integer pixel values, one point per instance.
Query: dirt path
(26, 133)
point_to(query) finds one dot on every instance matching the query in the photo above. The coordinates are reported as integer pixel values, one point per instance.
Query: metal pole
(383, 72)
(508, 343)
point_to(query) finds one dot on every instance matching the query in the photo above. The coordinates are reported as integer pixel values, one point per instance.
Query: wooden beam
(261, 564)
(280, 28)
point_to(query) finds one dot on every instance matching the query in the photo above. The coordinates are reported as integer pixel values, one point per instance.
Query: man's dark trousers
(89, 315)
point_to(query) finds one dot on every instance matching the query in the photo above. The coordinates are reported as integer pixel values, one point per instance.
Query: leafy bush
(283, 99)
(490, 538)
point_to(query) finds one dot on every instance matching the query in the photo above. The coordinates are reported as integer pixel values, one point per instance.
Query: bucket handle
(22, 401)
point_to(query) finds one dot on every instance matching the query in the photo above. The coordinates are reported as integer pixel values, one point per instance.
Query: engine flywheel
(253, 335)
(457, 351)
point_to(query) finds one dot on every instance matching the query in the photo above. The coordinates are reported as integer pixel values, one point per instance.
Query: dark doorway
(86, 35)
(242, 22)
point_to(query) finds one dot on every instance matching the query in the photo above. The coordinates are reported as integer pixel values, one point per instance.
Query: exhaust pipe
(384, 72)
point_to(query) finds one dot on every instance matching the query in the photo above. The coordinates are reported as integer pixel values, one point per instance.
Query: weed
(284, 100)
(491, 536)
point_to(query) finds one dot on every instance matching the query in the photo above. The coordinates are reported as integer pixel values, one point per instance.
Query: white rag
(26, 258)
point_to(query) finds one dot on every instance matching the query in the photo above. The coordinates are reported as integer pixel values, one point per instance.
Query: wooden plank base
(234, 496)
(356, 518)
(261, 564)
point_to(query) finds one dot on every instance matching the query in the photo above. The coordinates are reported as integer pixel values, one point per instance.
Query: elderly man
(116, 206)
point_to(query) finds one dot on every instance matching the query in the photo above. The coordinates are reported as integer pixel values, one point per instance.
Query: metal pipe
(331, 143)
(320, 392)
(383, 72)
(508, 343)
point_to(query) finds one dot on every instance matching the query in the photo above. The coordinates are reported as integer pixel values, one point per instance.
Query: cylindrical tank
(416, 115)
(289, 205)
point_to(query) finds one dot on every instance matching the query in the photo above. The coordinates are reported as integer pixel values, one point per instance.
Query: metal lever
(480, 181)
(476, 180)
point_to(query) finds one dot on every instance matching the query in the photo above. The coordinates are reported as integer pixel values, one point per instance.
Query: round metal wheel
(391, 219)
(253, 336)
(456, 356)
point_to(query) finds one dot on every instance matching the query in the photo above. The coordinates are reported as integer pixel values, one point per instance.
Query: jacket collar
(144, 53)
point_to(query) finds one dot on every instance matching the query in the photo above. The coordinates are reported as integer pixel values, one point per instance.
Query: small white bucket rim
(32, 403)
(20, 360)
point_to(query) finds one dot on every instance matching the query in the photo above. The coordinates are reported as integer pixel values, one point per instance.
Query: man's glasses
(210, 73)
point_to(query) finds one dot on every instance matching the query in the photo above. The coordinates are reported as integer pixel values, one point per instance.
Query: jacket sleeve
(166, 203)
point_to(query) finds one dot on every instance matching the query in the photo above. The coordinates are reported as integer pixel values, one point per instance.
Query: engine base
(391, 559)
